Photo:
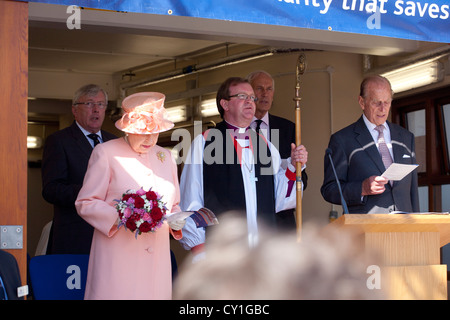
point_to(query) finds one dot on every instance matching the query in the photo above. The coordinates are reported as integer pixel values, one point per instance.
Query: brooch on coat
(161, 156)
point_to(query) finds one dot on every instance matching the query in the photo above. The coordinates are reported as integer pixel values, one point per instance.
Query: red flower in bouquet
(156, 213)
(141, 211)
(151, 195)
(131, 222)
(145, 227)
(139, 202)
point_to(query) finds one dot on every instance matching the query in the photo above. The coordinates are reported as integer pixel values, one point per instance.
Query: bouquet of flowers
(141, 211)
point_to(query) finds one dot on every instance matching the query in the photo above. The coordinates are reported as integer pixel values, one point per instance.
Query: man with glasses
(64, 163)
(231, 168)
(361, 153)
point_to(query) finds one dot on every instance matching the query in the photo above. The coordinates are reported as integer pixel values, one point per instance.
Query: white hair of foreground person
(329, 265)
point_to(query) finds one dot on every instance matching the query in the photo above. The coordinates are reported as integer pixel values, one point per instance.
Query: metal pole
(301, 66)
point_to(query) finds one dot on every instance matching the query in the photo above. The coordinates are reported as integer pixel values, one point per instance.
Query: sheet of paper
(398, 171)
(178, 215)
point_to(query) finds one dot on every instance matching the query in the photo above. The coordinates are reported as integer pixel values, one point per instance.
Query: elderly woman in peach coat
(122, 266)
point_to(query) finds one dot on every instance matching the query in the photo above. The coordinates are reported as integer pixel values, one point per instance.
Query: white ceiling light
(415, 75)
(34, 142)
(208, 108)
(177, 114)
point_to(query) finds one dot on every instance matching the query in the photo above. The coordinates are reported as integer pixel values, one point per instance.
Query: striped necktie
(382, 147)
(94, 137)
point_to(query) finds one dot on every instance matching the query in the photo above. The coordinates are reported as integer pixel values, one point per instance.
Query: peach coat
(121, 266)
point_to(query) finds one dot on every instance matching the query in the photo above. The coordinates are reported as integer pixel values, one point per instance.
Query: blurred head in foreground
(325, 266)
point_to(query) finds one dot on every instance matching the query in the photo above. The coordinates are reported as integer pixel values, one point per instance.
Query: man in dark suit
(279, 131)
(358, 161)
(64, 163)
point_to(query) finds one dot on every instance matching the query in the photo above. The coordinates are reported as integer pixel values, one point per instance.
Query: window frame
(437, 170)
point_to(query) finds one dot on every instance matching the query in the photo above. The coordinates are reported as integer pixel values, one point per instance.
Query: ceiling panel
(103, 52)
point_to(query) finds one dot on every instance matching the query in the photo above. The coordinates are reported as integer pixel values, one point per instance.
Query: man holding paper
(363, 151)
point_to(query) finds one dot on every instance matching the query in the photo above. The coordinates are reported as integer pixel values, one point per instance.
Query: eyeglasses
(380, 103)
(91, 104)
(243, 96)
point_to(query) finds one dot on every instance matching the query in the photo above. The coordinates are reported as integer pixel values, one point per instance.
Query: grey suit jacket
(356, 158)
(64, 164)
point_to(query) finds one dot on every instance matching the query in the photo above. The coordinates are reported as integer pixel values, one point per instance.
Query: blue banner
(405, 19)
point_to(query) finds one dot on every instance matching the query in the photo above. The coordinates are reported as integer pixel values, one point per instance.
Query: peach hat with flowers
(144, 113)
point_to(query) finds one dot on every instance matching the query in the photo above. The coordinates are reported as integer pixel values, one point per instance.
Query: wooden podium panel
(405, 249)
(416, 282)
(408, 246)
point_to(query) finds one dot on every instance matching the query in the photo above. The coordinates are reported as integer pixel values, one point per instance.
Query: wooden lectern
(408, 246)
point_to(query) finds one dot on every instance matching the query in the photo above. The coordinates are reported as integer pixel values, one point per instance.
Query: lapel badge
(161, 156)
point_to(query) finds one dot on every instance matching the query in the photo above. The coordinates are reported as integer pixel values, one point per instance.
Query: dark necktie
(382, 147)
(94, 137)
(258, 125)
